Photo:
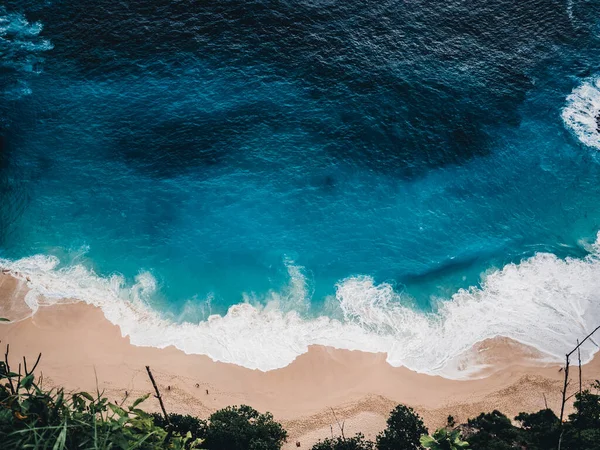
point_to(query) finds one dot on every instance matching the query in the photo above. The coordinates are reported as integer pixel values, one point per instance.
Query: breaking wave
(21, 47)
(582, 112)
(543, 301)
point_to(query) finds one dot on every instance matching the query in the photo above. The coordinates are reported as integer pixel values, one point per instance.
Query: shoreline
(77, 343)
(542, 302)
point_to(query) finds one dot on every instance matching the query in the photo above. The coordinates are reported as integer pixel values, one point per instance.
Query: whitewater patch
(582, 110)
(543, 301)
(21, 47)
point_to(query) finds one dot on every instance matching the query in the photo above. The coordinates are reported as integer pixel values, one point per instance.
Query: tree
(443, 439)
(541, 429)
(583, 429)
(243, 428)
(493, 431)
(357, 442)
(404, 430)
(587, 411)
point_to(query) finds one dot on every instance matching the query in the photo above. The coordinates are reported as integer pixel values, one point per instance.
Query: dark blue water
(246, 151)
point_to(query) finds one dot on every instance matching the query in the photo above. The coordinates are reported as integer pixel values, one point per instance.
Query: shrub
(443, 439)
(36, 418)
(494, 431)
(243, 428)
(31, 417)
(404, 430)
(541, 430)
(583, 429)
(357, 442)
(450, 421)
(587, 411)
(182, 425)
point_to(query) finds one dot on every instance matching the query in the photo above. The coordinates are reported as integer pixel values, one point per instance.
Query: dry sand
(77, 342)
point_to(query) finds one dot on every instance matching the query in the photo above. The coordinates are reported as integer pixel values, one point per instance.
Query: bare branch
(19, 377)
(162, 406)
(584, 339)
(579, 359)
(566, 382)
(580, 384)
(7, 365)
(37, 361)
(340, 426)
(571, 396)
(124, 398)
(564, 391)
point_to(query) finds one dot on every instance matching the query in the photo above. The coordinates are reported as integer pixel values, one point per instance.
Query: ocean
(243, 179)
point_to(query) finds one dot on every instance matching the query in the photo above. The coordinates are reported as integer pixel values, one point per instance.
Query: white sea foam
(21, 47)
(543, 301)
(581, 111)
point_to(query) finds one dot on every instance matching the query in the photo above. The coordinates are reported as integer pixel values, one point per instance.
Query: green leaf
(427, 441)
(62, 438)
(139, 412)
(118, 410)
(4, 319)
(87, 396)
(138, 401)
(141, 441)
(27, 381)
(59, 399)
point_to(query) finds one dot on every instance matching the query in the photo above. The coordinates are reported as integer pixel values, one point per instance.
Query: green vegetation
(443, 439)
(488, 431)
(232, 428)
(243, 428)
(32, 417)
(404, 430)
(182, 425)
(357, 442)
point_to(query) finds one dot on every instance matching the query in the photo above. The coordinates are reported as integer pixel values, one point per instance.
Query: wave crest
(20, 52)
(582, 111)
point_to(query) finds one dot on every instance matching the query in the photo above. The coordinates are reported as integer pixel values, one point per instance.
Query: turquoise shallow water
(365, 176)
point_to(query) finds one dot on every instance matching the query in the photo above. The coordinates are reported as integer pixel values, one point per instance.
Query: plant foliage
(357, 442)
(184, 425)
(443, 439)
(31, 417)
(243, 428)
(404, 430)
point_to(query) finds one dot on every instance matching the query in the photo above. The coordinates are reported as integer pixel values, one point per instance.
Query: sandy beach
(77, 344)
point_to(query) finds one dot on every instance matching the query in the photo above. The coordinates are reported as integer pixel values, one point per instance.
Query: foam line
(543, 301)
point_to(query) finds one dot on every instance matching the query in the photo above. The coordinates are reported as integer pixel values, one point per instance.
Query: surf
(543, 301)
(581, 113)
(21, 50)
